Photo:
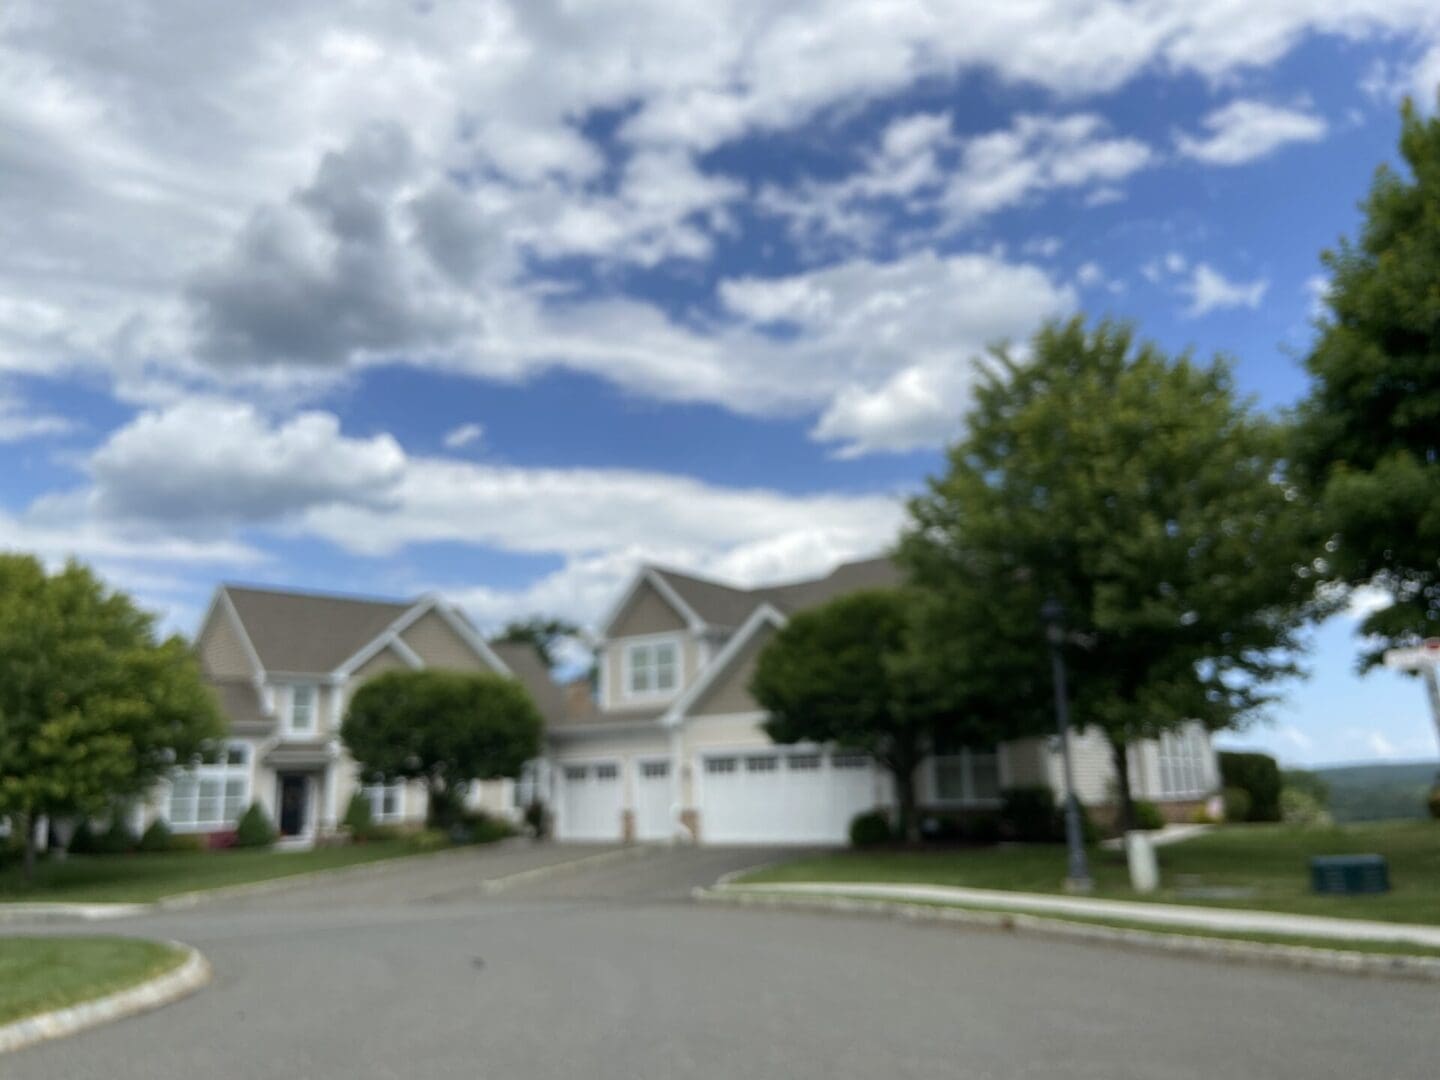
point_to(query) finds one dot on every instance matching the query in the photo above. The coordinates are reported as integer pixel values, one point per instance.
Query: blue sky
(501, 299)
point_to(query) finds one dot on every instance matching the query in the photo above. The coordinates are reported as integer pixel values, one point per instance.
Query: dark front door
(294, 789)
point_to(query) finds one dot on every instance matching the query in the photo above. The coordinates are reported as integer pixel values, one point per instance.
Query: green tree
(845, 673)
(1369, 432)
(1143, 495)
(93, 709)
(444, 727)
(542, 633)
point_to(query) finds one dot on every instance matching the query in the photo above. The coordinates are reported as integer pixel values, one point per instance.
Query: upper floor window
(302, 709)
(652, 667)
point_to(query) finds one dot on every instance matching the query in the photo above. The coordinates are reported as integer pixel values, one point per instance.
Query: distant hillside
(1378, 792)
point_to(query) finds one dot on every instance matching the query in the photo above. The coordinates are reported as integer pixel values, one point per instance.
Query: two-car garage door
(782, 796)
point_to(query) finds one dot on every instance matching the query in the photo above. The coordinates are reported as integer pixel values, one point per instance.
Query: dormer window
(302, 709)
(652, 668)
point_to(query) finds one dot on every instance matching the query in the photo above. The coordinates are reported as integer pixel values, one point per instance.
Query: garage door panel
(591, 798)
(782, 796)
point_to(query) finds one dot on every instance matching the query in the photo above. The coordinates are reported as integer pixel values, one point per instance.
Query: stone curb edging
(190, 975)
(1223, 950)
(539, 873)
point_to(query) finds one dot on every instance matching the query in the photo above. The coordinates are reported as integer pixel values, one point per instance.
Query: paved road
(606, 971)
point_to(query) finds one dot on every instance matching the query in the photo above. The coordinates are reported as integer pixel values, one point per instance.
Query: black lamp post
(1077, 877)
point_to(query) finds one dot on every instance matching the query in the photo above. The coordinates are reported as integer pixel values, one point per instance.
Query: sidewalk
(1229, 920)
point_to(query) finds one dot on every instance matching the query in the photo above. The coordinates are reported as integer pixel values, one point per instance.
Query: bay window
(212, 792)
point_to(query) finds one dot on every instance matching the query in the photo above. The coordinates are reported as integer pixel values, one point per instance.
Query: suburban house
(283, 665)
(667, 746)
(671, 746)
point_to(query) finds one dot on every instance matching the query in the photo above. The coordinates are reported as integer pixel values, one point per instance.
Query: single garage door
(783, 796)
(591, 798)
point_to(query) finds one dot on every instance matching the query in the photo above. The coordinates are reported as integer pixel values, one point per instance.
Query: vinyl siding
(647, 613)
(440, 646)
(730, 692)
(222, 652)
(614, 661)
(383, 661)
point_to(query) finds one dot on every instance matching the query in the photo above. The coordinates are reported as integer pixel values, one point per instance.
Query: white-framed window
(654, 770)
(212, 792)
(720, 764)
(607, 771)
(387, 802)
(845, 759)
(803, 762)
(576, 772)
(969, 776)
(1183, 772)
(651, 668)
(302, 709)
(762, 763)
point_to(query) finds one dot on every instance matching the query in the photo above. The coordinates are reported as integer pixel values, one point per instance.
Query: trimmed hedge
(1259, 777)
(1237, 804)
(157, 837)
(1148, 816)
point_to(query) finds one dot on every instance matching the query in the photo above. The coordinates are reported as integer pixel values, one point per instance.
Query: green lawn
(1271, 859)
(145, 877)
(39, 974)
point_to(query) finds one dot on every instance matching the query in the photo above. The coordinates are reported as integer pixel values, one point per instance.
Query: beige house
(283, 665)
(671, 744)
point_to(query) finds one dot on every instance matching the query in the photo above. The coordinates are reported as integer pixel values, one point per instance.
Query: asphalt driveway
(606, 970)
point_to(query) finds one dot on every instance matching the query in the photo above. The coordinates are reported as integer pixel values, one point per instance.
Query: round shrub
(254, 829)
(157, 837)
(117, 839)
(357, 816)
(82, 840)
(1259, 776)
(1029, 814)
(1237, 804)
(1147, 816)
(870, 829)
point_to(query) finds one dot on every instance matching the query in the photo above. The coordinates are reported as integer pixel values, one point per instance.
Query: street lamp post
(1077, 877)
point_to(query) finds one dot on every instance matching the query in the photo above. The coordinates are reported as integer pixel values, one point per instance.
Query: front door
(294, 795)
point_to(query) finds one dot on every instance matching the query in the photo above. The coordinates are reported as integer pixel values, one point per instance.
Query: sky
(499, 299)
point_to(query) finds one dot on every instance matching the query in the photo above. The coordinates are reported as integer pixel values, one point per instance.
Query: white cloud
(19, 421)
(463, 435)
(220, 463)
(1209, 290)
(1089, 274)
(904, 334)
(1247, 130)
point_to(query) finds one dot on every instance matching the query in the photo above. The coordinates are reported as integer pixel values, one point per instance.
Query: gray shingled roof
(727, 606)
(310, 633)
(522, 659)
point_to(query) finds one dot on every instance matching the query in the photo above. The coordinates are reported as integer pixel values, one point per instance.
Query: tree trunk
(1120, 755)
(30, 822)
(907, 827)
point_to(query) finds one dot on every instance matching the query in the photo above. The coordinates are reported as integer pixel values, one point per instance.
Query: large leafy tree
(446, 728)
(93, 708)
(845, 673)
(1369, 433)
(1140, 492)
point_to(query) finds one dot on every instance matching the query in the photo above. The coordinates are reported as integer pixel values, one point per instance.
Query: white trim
(383, 639)
(765, 613)
(404, 651)
(390, 637)
(650, 575)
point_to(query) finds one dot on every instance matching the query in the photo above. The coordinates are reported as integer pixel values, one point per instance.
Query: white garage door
(654, 800)
(591, 797)
(783, 796)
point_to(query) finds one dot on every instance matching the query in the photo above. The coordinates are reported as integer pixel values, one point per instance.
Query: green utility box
(1345, 874)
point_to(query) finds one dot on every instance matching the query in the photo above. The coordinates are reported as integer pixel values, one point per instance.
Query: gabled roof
(310, 633)
(525, 664)
(727, 607)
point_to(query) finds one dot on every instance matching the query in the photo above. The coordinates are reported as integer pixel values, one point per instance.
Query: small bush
(82, 840)
(358, 818)
(1029, 814)
(187, 842)
(254, 829)
(157, 837)
(1299, 807)
(870, 829)
(1237, 804)
(1147, 816)
(117, 839)
(537, 820)
(1433, 802)
(1259, 776)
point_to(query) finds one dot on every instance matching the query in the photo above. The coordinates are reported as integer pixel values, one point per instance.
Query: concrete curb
(46, 913)
(1223, 950)
(192, 973)
(555, 869)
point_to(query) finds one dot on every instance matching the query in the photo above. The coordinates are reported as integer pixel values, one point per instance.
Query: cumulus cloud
(1210, 290)
(215, 464)
(1247, 130)
(908, 331)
